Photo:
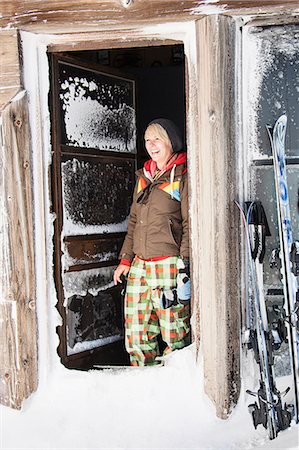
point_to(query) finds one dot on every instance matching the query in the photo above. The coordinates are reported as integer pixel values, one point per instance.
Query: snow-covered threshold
(134, 408)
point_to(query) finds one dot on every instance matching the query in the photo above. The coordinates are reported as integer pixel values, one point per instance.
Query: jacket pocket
(170, 226)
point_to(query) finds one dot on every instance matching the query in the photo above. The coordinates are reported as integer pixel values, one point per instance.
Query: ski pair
(288, 250)
(269, 410)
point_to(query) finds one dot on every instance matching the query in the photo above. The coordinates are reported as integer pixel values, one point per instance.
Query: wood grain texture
(217, 252)
(105, 39)
(18, 324)
(70, 14)
(111, 12)
(9, 66)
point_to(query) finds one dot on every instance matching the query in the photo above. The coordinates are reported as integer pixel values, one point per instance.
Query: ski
(288, 249)
(268, 410)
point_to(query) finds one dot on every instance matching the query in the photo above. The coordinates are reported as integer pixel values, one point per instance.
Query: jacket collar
(151, 166)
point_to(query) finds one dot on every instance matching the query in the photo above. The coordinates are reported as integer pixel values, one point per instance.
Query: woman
(156, 245)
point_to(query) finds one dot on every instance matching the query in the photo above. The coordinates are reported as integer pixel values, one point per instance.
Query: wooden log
(72, 12)
(70, 15)
(218, 241)
(9, 66)
(18, 323)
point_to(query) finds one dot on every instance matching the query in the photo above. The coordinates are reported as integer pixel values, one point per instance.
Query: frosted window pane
(94, 321)
(96, 196)
(280, 95)
(88, 281)
(273, 85)
(97, 110)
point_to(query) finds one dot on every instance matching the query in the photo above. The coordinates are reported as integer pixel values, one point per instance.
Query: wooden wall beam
(217, 251)
(74, 12)
(18, 323)
(71, 15)
(103, 40)
(9, 66)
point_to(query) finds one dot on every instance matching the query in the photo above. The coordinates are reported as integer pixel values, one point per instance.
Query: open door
(93, 173)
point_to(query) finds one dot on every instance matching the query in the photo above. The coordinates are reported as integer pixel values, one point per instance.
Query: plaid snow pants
(145, 319)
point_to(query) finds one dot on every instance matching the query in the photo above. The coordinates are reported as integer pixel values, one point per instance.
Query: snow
(89, 345)
(133, 408)
(72, 229)
(68, 261)
(93, 122)
(209, 7)
(91, 280)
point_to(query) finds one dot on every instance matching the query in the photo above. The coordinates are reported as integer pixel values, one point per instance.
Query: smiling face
(157, 144)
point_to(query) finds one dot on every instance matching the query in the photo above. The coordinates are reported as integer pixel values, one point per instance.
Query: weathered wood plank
(71, 11)
(104, 40)
(218, 239)
(9, 66)
(71, 14)
(18, 323)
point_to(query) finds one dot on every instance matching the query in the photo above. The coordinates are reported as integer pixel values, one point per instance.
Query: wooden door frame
(210, 141)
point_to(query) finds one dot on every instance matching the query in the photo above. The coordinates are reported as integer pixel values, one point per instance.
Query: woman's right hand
(121, 269)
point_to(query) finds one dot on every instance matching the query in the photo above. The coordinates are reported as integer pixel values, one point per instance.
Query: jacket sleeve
(184, 250)
(127, 247)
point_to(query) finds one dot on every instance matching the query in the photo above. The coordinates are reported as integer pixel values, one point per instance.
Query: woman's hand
(121, 269)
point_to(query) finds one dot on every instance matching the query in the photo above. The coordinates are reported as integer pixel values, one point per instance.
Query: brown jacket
(158, 222)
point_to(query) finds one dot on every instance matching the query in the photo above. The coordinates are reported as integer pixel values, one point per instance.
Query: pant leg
(175, 326)
(141, 320)
(174, 321)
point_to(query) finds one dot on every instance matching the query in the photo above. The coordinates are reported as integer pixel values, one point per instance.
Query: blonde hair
(159, 131)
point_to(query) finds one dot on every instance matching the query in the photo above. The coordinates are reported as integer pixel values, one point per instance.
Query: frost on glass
(94, 320)
(94, 310)
(90, 281)
(272, 70)
(96, 196)
(263, 189)
(97, 110)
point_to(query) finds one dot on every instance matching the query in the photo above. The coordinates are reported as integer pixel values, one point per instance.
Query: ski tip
(282, 120)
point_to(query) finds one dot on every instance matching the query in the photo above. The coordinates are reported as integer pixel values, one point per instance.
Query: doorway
(101, 102)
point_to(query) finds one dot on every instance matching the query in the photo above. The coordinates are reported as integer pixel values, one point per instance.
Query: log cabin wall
(18, 329)
(212, 142)
(10, 74)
